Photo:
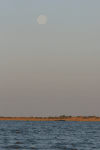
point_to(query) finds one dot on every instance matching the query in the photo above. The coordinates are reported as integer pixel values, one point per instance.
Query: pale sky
(51, 68)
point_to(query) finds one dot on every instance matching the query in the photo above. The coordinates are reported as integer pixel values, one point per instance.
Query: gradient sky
(49, 69)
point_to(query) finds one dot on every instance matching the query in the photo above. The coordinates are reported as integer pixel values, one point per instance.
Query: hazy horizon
(49, 69)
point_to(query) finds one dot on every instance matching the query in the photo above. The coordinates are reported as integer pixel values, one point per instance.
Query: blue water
(49, 135)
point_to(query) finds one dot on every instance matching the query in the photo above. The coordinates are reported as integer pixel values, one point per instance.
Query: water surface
(49, 135)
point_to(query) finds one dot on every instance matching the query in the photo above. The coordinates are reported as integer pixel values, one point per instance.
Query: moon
(42, 19)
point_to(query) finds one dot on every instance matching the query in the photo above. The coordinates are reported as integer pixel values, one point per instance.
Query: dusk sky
(50, 68)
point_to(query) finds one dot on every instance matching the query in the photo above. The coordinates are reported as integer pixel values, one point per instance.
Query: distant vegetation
(62, 117)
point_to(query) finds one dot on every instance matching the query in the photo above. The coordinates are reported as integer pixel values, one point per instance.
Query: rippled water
(49, 135)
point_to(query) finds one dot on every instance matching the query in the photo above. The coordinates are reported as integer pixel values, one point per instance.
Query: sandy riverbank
(81, 118)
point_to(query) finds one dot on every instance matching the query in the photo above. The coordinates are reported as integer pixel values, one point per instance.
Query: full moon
(42, 19)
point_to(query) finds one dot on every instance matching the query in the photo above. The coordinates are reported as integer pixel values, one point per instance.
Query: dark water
(49, 135)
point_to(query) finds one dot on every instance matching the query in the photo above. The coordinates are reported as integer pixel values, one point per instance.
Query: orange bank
(65, 118)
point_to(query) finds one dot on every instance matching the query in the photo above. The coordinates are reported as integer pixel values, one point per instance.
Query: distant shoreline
(62, 118)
